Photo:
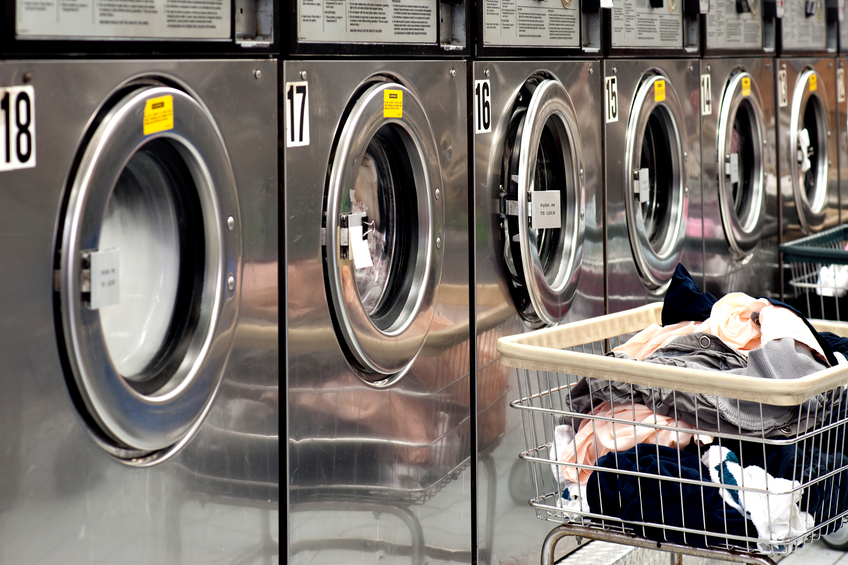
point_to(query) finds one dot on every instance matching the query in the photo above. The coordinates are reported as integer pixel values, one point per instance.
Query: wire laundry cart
(720, 466)
(818, 266)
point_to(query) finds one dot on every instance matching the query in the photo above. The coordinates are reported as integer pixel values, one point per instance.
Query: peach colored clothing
(597, 438)
(655, 337)
(731, 321)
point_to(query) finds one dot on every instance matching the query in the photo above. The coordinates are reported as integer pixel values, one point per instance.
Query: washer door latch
(351, 225)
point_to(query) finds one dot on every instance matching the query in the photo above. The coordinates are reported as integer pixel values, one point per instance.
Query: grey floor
(817, 553)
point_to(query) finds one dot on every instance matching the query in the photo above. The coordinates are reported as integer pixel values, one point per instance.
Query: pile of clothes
(695, 464)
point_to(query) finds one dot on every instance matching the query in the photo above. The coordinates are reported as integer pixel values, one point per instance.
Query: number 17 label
(17, 128)
(297, 114)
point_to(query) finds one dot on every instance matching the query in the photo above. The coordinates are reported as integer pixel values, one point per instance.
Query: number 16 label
(17, 128)
(482, 106)
(297, 114)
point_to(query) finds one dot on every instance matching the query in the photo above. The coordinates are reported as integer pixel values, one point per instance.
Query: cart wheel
(837, 540)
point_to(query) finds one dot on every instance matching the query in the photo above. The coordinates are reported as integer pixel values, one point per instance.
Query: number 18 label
(17, 128)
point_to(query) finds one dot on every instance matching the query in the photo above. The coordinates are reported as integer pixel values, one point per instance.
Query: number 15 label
(611, 92)
(17, 128)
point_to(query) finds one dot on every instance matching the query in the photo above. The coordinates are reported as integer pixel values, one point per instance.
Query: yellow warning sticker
(813, 85)
(393, 103)
(746, 86)
(159, 114)
(659, 91)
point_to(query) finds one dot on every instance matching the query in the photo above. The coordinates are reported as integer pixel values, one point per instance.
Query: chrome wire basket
(690, 461)
(818, 271)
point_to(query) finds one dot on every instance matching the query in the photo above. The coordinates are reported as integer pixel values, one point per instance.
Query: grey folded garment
(779, 359)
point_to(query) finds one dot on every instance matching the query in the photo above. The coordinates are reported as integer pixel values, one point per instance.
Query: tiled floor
(817, 553)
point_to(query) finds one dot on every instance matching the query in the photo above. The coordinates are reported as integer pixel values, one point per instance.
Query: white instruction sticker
(17, 128)
(105, 273)
(546, 214)
(359, 249)
(124, 19)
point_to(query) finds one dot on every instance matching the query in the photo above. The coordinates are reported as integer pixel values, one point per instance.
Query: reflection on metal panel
(62, 498)
(379, 422)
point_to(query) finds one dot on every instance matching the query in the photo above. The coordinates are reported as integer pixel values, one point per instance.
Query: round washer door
(808, 138)
(383, 226)
(544, 203)
(148, 257)
(656, 201)
(741, 164)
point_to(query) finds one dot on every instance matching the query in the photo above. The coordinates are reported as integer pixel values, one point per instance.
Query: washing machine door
(656, 200)
(741, 164)
(146, 281)
(383, 230)
(543, 201)
(808, 137)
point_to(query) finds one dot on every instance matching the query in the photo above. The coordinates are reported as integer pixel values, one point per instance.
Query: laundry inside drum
(656, 161)
(152, 223)
(550, 174)
(384, 191)
(743, 173)
(810, 153)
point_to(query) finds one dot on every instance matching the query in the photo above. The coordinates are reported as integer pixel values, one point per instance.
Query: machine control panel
(640, 24)
(367, 21)
(124, 19)
(531, 23)
(804, 26)
(734, 24)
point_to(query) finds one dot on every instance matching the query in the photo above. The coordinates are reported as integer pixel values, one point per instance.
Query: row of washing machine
(560, 172)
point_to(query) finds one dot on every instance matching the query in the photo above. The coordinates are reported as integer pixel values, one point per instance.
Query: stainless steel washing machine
(739, 190)
(538, 258)
(376, 287)
(807, 153)
(738, 145)
(652, 177)
(141, 322)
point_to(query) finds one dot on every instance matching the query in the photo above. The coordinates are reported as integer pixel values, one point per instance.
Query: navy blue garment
(684, 302)
(672, 503)
(836, 342)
